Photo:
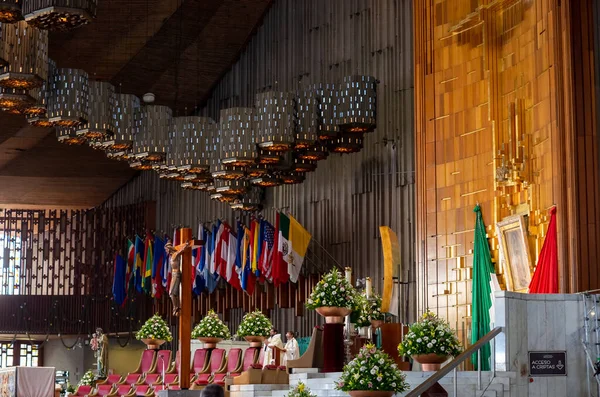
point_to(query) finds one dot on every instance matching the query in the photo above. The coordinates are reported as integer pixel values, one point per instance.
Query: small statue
(99, 345)
(175, 274)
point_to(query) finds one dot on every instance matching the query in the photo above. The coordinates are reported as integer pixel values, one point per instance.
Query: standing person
(212, 390)
(291, 349)
(273, 341)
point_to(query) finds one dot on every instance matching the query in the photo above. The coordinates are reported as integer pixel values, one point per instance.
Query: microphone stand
(163, 373)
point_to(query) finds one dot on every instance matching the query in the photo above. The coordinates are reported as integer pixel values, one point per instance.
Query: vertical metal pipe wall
(344, 202)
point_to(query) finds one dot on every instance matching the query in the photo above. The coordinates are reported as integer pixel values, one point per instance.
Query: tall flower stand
(333, 338)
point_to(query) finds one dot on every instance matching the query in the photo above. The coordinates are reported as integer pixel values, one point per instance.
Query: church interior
(299, 198)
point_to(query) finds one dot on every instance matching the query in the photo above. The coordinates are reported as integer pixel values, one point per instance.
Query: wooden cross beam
(185, 316)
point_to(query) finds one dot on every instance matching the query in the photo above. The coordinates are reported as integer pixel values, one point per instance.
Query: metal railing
(452, 365)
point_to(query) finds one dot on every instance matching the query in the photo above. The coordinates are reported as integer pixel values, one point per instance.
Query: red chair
(152, 379)
(250, 357)
(82, 390)
(234, 365)
(123, 391)
(102, 390)
(114, 379)
(168, 387)
(144, 390)
(162, 362)
(133, 379)
(147, 362)
(171, 379)
(217, 364)
(200, 363)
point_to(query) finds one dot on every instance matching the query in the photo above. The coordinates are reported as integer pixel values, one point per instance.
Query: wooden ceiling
(176, 49)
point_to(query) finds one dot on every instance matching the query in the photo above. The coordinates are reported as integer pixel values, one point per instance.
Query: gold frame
(516, 226)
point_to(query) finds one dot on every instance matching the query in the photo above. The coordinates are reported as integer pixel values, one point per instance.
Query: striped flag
(266, 252)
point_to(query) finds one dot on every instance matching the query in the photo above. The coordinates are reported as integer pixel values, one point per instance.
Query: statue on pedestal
(175, 260)
(99, 345)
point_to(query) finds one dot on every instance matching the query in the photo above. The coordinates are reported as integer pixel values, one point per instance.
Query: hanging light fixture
(69, 98)
(101, 114)
(127, 111)
(308, 120)
(357, 103)
(15, 100)
(292, 178)
(223, 171)
(301, 165)
(197, 178)
(257, 170)
(68, 136)
(275, 129)
(316, 153)
(347, 143)
(266, 181)
(239, 186)
(238, 142)
(37, 114)
(224, 198)
(152, 133)
(196, 146)
(25, 53)
(251, 201)
(327, 100)
(10, 11)
(268, 158)
(59, 14)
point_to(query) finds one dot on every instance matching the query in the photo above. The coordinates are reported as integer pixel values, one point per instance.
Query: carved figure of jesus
(175, 274)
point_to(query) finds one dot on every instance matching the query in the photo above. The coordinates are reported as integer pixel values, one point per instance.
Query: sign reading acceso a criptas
(547, 363)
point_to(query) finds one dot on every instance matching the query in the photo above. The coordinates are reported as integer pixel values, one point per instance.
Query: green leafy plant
(255, 324)
(430, 335)
(374, 370)
(300, 391)
(211, 326)
(70, 388)
(366, 310)
(332, 290)
(88, 379)
(155, 328)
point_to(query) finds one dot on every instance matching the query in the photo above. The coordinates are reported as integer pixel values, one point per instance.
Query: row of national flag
(241, 255)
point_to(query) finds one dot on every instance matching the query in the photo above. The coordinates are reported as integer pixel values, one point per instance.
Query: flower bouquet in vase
(88, 379)
(333, 297)
(372, 374)
(211, 330)
(430, 342)
(154, 332)
(255, 328)
(300, 391)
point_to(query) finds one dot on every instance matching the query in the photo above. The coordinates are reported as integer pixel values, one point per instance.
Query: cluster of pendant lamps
(275, 142)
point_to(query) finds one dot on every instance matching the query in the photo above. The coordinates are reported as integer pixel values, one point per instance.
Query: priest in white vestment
(291, 348)
(273, 341)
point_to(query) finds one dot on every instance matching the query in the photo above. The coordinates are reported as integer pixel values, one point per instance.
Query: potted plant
(211, 330)
(300, 391)
(154, 332)
(430, 342)
(255, 327)
(333, 297)
(372, 374)
(88, 379)
(367, 311)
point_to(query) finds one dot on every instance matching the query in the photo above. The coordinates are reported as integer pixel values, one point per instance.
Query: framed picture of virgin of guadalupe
(515, 257)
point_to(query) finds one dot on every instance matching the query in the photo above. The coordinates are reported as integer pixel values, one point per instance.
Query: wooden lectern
(391, 336)
(277, 352)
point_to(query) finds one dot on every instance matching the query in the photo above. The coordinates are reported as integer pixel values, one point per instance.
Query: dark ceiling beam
(164, 48)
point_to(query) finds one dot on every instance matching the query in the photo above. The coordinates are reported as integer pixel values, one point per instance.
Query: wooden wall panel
(343, 203)
(503, 84)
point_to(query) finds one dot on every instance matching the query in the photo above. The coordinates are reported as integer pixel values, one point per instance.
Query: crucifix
(185, 311)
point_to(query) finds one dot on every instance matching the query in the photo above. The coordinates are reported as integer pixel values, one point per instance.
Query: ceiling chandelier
(307, 110)
(347, 143)
(249, 202)
(10, 11)
(127, 110)
(15, 100)
(24, 51)
(152, 134)
(238, 142)
(195, 145)
(59, 14)
(357, 103)
(101, 113)
(275, 125)
(37, 113)
(68, 136)
(68, 102)
(327, 100)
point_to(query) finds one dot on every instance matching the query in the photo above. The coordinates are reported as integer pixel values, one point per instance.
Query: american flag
(266, 258)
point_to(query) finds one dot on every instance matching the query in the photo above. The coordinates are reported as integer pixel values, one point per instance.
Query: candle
(368, 287)
(349, 275)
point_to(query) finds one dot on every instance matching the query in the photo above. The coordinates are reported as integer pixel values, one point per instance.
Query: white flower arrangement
(430, 335)
(332, 290)
(88, 379)
(366, 310)
(211, 326)
(255, 324)
(155, 328)
(373, 370)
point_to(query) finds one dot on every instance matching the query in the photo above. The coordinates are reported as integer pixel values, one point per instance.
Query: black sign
(547, 363)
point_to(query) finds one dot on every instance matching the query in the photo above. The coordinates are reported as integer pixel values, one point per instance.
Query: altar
(27, 382)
